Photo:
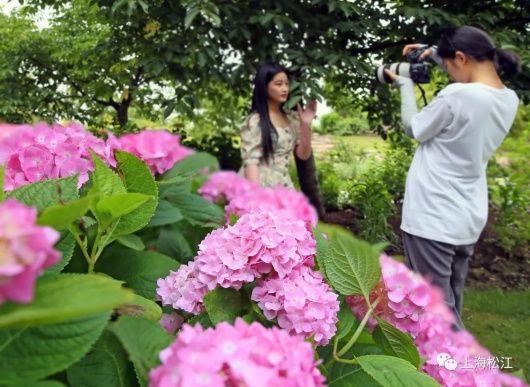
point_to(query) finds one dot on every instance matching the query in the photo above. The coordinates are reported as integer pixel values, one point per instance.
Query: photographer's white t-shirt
(446, 195)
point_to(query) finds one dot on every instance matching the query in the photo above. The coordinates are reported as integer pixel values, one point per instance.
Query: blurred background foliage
(188, 66)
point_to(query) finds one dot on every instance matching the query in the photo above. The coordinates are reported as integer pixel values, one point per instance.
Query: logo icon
(445, 360)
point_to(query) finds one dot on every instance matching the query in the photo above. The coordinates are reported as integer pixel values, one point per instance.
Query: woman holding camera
(446, 195)
(270, 134)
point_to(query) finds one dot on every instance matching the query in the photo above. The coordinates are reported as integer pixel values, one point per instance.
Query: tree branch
(515, 20)
(379, 46)
(77, 87)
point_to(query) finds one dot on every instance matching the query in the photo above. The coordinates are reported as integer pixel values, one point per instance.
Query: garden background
(187, 66)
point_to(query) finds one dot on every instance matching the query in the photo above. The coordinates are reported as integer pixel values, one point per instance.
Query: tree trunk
(127, 96)
(123, 112)
(307, 175)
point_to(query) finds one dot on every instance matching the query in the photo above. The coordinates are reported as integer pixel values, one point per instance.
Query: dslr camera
(419, 70)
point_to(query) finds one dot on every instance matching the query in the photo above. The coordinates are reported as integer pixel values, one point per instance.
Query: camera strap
(423, 95)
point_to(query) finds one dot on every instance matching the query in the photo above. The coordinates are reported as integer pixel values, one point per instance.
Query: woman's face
(458, 67)
(278, 88)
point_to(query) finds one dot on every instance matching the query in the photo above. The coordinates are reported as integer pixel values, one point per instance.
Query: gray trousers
(444, 264)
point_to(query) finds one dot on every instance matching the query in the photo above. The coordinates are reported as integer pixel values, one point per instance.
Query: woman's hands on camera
(390, 74)
(410, 47)
(406, 50)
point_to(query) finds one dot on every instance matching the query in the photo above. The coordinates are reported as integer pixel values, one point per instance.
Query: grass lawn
(501, 322)
(323, 143)
(370, 142)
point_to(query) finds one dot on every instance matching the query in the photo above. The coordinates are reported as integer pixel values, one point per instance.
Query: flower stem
(337, 356)
(346, 361)
(83, 250)
(359, 330)
(104, 242)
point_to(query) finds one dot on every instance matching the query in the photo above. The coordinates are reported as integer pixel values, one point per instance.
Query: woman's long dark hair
(260, 105)
(478, 44)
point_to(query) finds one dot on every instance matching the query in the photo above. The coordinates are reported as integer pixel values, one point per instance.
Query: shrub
(369, 183)
(511, 202)
(370, 197)
(334, 123)
(223, 146)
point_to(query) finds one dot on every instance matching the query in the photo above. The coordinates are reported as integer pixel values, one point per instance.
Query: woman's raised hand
(308, 114)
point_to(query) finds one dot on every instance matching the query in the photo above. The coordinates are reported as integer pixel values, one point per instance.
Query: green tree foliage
(77, 67)
(116, 49)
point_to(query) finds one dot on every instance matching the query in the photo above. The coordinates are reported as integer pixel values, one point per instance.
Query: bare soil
(490, 266)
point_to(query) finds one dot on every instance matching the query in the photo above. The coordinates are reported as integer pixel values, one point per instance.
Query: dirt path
(322, 143)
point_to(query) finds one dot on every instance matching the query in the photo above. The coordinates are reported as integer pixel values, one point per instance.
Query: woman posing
(270, 134)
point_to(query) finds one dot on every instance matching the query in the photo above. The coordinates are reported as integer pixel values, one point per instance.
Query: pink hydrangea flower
(507, 380)
(236, 355)
(414, 306)
(472, 365)
(302, 302)
(159, 149)
(259, 243)
(404, 298)
(279, 199)
(182, 290)
(35, 153)
(171, 322)
(7, 130)
(26, 249)
(225, 186)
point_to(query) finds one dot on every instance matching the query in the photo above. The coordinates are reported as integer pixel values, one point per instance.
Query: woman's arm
(252, 173)
(409, 108)
(251, 151)
(426, 124)
(303, 148)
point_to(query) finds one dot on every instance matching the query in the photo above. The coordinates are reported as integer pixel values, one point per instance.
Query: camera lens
(401, 68)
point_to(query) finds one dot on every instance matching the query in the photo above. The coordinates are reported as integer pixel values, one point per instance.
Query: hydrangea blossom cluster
(159, 149)
(171, 322)
(35, 153)
(236, 355)
(410, 303)
(404, 297)
(259, 243)
(225, 186)
(182, 290)
(302, 302)
(278, 199)
(438, 339)
(26, 249)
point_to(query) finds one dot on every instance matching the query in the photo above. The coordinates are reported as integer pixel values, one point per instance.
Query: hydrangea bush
(40, 152)
(404, 298)
(410, 303)
(136, 279)
(35, 153)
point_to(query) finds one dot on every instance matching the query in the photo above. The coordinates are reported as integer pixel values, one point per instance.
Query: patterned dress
(276, 172)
